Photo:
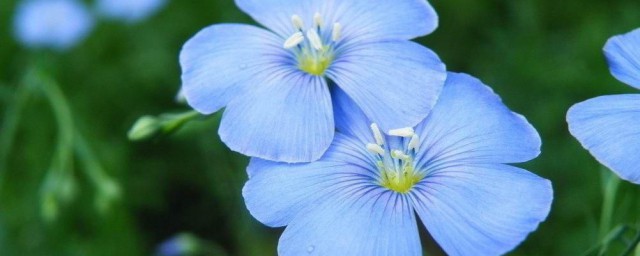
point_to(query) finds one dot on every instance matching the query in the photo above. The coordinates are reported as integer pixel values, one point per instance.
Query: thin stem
(615, 234)
(94, 171)
(64, 120)
(632, 246)
(610, 189)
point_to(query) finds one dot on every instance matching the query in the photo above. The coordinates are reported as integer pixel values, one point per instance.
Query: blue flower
(608, 126)
(56, 24)
(129, 10)
(276, 83)
(451, 169)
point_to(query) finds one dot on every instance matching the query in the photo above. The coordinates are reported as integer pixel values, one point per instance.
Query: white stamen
(406, 132)
(397, 154)
(297, 22)
(294, 40)
(337, 31)
(375, 148)
(414, 143)
(317, 19)
(377, 134)
(314, 39)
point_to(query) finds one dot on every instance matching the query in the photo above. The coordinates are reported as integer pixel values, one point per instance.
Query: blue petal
(608, 127)
(384, 19)
(623, 55)
(57, 24)
(349, 118)
(221, 61)
(481, 209)
(277, 192)
(286, 118)
(380, 20)
(354, 221)
(471, 124)
(395, 83)
(276, 14)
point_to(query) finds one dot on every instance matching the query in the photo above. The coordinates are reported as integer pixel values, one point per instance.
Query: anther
(337, 31)
(297, 22)
(314, 39)
(294, 40)
(377, 134)
(375, 148)
(397, 154)
(414, 143)
(403, 132)
(317, 19)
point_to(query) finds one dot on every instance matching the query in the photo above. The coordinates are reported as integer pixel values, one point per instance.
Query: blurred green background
(541, 56)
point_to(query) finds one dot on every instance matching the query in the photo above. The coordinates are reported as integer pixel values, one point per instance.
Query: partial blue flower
(129, 10)
(55, 24)
(362, 196)
(608, 126)
(276, 83)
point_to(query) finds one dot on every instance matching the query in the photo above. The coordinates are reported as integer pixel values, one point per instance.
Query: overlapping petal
(349, 118)
(277, 192)
(287, 117)
(623, 55)
(356, 220)
(608, 127)
(470, 124)
(481, 209)
(362, 20)
(395, 83)
(222, 60)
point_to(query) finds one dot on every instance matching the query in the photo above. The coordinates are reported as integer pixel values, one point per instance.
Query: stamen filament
(337, 31)
(294, 40)
(317, 19)
(375, 148)
(414, 143)
(403, 132)
(314, 39)
(297, 22)
(377, 134)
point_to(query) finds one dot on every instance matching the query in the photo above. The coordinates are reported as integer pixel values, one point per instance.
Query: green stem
(632, 246)
(64, 119)
(94, 170)
(610, 189)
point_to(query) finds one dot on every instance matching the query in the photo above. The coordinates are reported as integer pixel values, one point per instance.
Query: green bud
(149, 126)
(144, 128)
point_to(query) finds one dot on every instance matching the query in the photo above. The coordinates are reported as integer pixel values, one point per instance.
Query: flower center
(396, 166)
(313, 47)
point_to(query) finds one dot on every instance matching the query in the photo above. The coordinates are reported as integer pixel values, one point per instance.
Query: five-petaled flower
(360, 197)
(609, 126)
(276, 83)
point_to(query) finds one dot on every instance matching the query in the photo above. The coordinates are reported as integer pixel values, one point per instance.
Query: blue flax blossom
(276, 83)
(451, 169)
(55, 24)
(129, 10)
(609, 126)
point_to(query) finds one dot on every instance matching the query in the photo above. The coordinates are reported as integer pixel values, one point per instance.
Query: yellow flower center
(313, 47)
(396, 167)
